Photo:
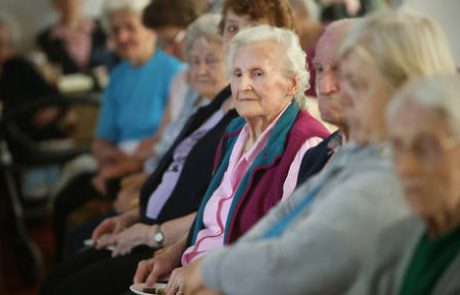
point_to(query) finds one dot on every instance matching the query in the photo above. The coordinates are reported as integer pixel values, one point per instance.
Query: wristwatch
(159, 237)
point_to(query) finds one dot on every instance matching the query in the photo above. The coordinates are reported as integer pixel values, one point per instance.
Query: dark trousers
(95, 272)
(78, 192)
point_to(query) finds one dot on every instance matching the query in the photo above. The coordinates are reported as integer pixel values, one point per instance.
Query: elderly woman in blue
(136, 96)
(132, 109)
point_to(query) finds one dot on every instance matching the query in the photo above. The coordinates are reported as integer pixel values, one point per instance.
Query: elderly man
(313, 243)
(330, 106)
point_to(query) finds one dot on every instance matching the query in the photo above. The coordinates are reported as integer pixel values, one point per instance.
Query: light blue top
(135, 99)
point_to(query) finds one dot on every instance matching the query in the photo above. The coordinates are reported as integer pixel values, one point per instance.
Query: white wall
(446, 12)
(34, 15)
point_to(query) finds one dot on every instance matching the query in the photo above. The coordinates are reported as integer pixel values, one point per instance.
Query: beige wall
(447, 13)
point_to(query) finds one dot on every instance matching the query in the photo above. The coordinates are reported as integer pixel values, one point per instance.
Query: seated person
(316, 242)
(206, 77)
(330, 106)
(75, 44)
(169, 19)
(34, 105)
(424, 122)
(258, 161)
(131, 112)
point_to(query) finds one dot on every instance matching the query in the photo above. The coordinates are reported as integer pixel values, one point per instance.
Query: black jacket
(197, 171)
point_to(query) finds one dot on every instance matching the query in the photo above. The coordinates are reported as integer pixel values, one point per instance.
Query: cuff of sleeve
(210, 273)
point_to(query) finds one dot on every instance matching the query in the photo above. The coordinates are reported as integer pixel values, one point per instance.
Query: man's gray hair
(205, 27)
(293, 58)
(440, 93)
(111, 6)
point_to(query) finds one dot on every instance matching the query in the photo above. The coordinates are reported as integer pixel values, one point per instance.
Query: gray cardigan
(388, 261)
(322, 251)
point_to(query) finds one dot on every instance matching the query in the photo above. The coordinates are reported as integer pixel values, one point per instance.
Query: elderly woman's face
(365, 93)
(207, 68)
(235, 23)
(132, 38)
(259, 87)
(426, 157)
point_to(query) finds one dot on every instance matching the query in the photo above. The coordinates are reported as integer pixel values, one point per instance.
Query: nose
(327, 84)
(122, 36)
(202, 68)
(244, 83)
(405, 164)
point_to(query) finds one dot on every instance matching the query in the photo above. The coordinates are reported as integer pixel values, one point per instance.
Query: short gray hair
(294, 59)
(205, 27)
(111, 6)
(440, 93)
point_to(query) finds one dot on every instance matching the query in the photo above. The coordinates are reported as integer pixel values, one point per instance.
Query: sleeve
(291, 180)
(321, 256)
(106, 125)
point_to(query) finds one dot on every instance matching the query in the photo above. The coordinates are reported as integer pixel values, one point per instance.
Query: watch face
(159, 237)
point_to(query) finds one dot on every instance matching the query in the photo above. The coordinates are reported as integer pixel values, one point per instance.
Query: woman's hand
(138, 234)
(111, 226)
(176, 283)
(194, 281)
(159, 267)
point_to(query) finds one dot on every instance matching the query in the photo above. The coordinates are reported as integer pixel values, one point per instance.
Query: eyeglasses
(426, 149)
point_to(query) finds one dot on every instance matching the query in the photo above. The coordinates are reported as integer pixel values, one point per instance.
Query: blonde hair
(290, 52)
(402, 44)
(439, 93)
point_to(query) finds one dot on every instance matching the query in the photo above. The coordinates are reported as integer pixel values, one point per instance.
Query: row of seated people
(252, 148)
(77, 44)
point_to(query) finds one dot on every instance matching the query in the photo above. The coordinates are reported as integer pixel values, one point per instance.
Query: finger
(153, 277)
(100, 230)
(143, 270)
(106, 240)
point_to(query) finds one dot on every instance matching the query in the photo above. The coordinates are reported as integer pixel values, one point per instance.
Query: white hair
(204, 27)
(313, 8)
(111, 6)
(293, 58)
(440, 93)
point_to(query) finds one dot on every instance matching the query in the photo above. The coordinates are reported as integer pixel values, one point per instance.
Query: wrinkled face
(206, 66)
(259, 87)
(426, 156)
(365, 94)
(131, 38)
(6, 46)
(235, 23)
(171, 41)
(327, 84)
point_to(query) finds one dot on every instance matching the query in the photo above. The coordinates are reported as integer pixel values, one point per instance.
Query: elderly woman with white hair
(424, 250)
(260, 154)
(133, 106)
